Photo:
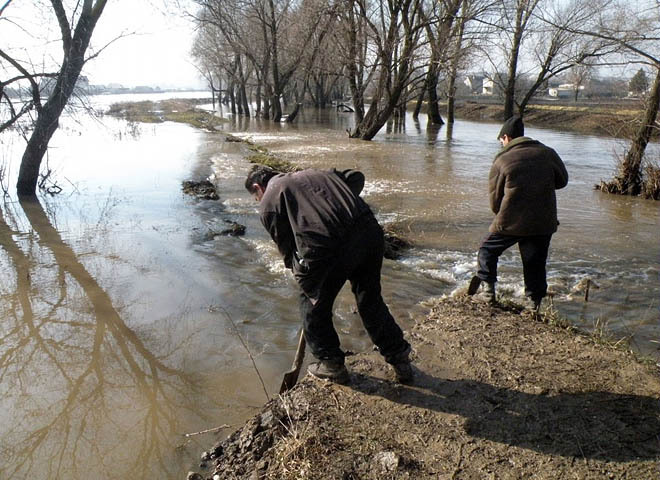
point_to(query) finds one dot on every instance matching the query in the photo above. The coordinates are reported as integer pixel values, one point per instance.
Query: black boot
(332, 370)
(487, 292)
(402, 367)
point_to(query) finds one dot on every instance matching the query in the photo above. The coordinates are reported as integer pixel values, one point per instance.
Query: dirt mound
(497, 394)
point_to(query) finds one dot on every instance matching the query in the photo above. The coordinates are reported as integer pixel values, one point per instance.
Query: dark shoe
(403, 372)
(474, 285)
(487, 292)
(402, 368)
(329, 370)
(532, 305)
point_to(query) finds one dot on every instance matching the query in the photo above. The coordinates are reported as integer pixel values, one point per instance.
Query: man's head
(512, 128)
(257, 180)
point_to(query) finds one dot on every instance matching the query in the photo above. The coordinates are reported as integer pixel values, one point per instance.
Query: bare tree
(579, 76)
(76, 26)
(439, 32)
(636, 29)
(516, 19)
(394, 30)
(273, 35)
(557, 49)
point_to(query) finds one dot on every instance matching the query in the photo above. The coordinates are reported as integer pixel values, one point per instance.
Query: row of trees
(396, 51)
(381, 53)
(391, 51)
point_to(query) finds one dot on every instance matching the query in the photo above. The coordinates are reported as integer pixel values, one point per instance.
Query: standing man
(327, 234)
(522, 184)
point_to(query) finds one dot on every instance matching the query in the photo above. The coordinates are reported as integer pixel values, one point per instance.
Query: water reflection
(80, 388)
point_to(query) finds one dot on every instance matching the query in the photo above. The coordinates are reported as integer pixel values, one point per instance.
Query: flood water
(126, 323)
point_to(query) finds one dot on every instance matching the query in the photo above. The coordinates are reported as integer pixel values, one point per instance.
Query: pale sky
(155, 53)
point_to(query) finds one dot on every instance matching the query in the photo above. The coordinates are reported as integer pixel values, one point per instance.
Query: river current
(127, 323)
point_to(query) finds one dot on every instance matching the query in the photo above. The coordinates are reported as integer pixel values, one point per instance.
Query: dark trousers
(359, 261)
(533, 251)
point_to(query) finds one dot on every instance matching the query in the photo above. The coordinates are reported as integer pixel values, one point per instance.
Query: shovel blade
(289, 381)
(291, 377)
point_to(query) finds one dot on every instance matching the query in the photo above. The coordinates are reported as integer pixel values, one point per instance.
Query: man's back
(522, 185)
(318, 206)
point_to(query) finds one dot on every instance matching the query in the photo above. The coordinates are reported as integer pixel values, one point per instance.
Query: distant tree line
(266, 56)
(270, 52)
(269, 55)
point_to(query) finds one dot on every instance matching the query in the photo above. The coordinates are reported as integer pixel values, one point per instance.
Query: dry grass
(180, 111)
(651, 180)
(290, 453)
(272, 161)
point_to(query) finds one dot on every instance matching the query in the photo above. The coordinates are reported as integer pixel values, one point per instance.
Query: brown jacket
(522, 184)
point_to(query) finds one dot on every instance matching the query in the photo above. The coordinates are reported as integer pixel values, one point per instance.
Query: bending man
(327, 234)
(522, 184)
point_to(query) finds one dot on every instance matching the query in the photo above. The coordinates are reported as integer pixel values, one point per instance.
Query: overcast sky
(155, 50)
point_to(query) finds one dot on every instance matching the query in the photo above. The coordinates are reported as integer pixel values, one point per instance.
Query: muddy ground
(498, 394)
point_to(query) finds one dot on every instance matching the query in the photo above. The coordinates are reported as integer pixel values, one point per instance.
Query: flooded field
(125, 317)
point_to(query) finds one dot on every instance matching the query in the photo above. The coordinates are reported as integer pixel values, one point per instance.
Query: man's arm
(496, 182)
(280, 231)
(561, 175)
(354, 179)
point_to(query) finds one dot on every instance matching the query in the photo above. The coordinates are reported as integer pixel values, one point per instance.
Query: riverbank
(497, 394)
(612, 120)
(609, 120)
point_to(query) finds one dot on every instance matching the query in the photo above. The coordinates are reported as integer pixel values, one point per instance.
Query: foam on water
(240, 205)
(390, 186)
(268, 256)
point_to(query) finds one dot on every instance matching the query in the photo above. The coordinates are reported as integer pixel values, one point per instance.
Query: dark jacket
(522, 184)
(310, 216)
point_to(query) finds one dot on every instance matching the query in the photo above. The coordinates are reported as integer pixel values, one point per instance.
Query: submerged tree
(394, 31)
(636, 29)
(76, 25)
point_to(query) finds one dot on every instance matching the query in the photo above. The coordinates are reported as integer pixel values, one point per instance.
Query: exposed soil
(498, 394)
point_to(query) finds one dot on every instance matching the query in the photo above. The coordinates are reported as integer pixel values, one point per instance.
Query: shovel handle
(300, 351)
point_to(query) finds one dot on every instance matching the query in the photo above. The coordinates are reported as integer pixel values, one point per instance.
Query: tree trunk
(451, 99)
(292, 116)
(48, 117)
(44, 128)
(630, 176)
(420, 102)
(432, 89)
(276, 108)
(258, 98)
(232, 97)
(266, 113)
(510, 89)
(244, 99)
(453, 69)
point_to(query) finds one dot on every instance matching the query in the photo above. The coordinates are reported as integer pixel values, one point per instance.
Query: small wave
(240, 205)
(389, 186)
(268, 256)
(449, 267)
(265, 137)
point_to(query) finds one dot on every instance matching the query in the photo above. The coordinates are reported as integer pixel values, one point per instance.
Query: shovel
(291, 376)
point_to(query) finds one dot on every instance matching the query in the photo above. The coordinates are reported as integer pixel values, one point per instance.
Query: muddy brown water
(124, 320)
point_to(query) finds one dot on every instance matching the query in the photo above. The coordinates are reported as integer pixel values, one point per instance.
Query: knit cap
(513, 127)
